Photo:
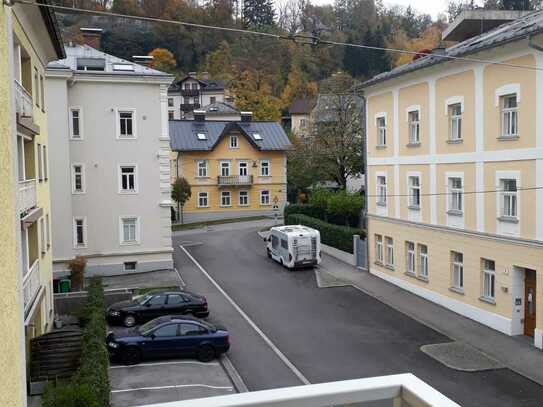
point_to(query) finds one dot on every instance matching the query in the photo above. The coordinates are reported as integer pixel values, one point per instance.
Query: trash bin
(65, 286)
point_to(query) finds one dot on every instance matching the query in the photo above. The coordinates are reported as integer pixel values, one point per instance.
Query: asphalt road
(328, 334)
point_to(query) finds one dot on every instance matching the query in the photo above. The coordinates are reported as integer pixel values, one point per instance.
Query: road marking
(183, 362)
(268, 341)
(183, 284)
(175, 386)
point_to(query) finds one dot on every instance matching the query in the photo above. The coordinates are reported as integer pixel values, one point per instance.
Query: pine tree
(258, 13)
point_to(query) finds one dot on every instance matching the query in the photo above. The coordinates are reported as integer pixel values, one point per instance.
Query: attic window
(201, 136)
(91, 64)
(123, 67)
(257, 136)
(213, 109)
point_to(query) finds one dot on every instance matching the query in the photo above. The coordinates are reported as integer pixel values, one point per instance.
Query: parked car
(156, 304)
(294, 246)
(169, 336)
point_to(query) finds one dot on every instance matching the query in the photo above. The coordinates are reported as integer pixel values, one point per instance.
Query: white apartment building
(109, 159)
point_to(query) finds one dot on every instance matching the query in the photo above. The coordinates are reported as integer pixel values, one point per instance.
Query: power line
(298, 38)
(491, 191)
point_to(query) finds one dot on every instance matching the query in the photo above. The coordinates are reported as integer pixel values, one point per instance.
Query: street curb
(233, 374)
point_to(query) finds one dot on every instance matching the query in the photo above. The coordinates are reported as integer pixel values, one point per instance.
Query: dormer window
(201, 136)
(91, 64)
(257, 136)
(123, 67)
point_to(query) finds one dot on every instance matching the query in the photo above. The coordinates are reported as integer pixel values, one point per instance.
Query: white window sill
(507, 138)
(423, 279)
(79, 193)
(381, 204)
(491, 301)
(225, 206)
(130, 243)
(455, 212)
(202, 207)
(128, 192)
(410, 274)
(455, 141)
(457, 290)
(379, 263)
(76, 139)
(412, 145)
(413, 208)
(508, 219)
(80, 246)
(244, 205)
(126, 138)
(389, 266)
(265, 176)
(381, 146)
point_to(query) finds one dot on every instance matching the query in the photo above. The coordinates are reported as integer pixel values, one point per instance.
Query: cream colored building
(455, 178)
(29, 39)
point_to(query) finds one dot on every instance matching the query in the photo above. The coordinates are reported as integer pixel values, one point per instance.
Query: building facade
(455, 178)
(29, 38)
(110, 165)
(235, 168)
(300, 116)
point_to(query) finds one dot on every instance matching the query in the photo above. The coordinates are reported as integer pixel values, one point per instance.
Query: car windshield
(149, 325)
(144, 298)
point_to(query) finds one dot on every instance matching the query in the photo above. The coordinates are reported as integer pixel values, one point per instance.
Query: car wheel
(129, 321)
(131, 356)
(206, 353)
(269, 253)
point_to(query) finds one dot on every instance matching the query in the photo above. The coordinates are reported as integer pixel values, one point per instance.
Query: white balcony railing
(23, 100)
(31, 284)
(233, 180)
(401, 389)
(26, 195)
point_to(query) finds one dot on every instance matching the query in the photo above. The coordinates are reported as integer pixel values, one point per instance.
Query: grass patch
(199, 225)
(141, 291)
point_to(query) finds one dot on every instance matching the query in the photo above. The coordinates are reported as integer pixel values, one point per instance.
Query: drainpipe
(365, 155)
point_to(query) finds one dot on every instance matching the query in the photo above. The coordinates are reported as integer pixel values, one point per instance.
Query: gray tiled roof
(302, 106)
(208, 85)
(77, 52)
(218, 108)
(505, 33)
(183, 134)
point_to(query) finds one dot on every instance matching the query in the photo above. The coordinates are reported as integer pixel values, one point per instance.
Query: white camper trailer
(294, 246)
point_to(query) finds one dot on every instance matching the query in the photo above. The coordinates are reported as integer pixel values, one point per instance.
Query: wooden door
(529, 301)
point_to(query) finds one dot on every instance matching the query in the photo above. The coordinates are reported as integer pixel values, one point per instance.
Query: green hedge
(340, 237)
(304, 209)
(90, 385)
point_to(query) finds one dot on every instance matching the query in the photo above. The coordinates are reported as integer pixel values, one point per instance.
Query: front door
(529, 301)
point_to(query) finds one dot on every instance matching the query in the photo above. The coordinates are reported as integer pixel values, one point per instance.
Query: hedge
(90, 385)
(340, 237)
(304, 209)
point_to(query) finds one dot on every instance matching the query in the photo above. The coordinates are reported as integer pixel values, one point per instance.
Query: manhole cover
(461, 356)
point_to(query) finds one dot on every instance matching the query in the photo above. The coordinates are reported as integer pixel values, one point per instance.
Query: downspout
(365, 158)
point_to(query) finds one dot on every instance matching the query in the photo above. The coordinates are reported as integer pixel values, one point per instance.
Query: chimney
(246, 116)
(192, 74)
(92, 37)
(199, 115)
(143, 59)
(205, 76)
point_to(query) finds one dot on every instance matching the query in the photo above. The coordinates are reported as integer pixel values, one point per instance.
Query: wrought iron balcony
(235, 180)
(26, 195)
(31, 285)
(190, 92)
(189, 107)
(23, 100)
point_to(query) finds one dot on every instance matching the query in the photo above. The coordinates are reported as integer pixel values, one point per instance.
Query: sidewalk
(515, 352)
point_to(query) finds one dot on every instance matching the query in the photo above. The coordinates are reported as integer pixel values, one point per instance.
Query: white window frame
(488, 277)
(262, 194)
(83, 179)
(411, 188)
(120, 179)
(455, 136)
(457, 270)
(423, 260)
(203, 195)
(137, 231)
(118, 123)
(48, 229)
(509, 115)
(510, 89)
(389, 251)
(268, 166)
(381, 189)
(455, 201)
(233, 142)
(239, 198)
(43, 238)
(221, 168)
(240, 163)
(45, 162)
(411, 262)
(500, 196)
(381, 130)
(204, 173)
(130, 262)
(379, 249)
(84, 229)
(40, 162)
(413, 125)
(79, 109)
(223, 195)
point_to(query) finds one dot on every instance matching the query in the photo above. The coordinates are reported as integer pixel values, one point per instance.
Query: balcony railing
(190, 92)
(402, 389)
(23, 100)
(31, 285)
(26, 195)
(235, 180)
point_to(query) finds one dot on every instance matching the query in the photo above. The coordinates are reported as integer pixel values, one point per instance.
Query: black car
(169, 336)
(156, 304)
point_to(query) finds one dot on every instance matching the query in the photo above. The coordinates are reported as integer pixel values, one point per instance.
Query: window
(170, 102)
(455, 194)
(243, 168)
(410, 256)
(203, 201)
(509, 115)
(129, 230)
(303, 123)
(284, 244)
(212, 99)
(75, 123)
(265, 168)
(379, 248)
(43, 242)
(423, 261)
(275, 241)
(457, 270)
(489, 279)
(455, 120)
(45, 163)
(166, 331)
(389, 251)
(170, 115)
(191, 329)
(195, 86)
(157, 300)
(129, 266)
(257, 136)
(201, 136)
(225, 168)
(202, 168)
(80, 232)
(128, 181)
(414, 127)
(381, 131)
(381, 190)
(186, 86)
(414, 192)
(243, 198)
(78, 179)
(264, 197)
(174, 299)
(234, 142)
(123, 67)
(36, 87)
(508, 192)
(226, 198)
(126, 124)
(40, 164)
(42, 94)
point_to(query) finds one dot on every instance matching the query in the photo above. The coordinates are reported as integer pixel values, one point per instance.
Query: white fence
(26, 195)
(23, 100)
(31, 284)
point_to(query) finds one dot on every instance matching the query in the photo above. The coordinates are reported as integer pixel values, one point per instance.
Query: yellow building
(235, 168)
(29, 39)
(455, 178)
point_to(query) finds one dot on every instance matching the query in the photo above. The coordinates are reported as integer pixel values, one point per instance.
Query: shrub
(304, 209)
(69, 395)
(319, 198)
(77, 272)
(344, 208)
(340, 237)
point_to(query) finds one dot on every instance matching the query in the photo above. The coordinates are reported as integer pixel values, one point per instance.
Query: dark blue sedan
(169, 336)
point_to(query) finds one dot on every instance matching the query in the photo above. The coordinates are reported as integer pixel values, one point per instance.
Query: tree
(297, 86)
(181, 193)
(258, 13)
(163, 60)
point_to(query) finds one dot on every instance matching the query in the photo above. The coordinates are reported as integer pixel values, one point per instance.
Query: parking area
(160, 278)
(168, 380)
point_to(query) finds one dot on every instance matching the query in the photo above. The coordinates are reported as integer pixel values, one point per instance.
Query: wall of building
(300, 124)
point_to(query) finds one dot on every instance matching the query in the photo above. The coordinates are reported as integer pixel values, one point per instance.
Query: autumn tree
(255, 95)
(181, 193)
(297, 86)
(258, 13)
(163, 60)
